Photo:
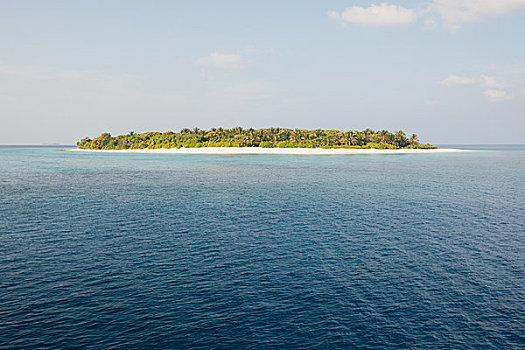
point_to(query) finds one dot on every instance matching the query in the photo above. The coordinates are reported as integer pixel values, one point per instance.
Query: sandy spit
(259, 150)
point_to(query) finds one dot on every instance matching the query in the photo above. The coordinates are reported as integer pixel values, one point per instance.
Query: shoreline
(259, 150)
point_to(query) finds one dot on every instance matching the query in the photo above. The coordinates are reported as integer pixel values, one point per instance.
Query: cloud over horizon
(494, 95)
(493, 89)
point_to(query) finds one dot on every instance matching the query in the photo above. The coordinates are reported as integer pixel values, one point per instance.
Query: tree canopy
(270, 137)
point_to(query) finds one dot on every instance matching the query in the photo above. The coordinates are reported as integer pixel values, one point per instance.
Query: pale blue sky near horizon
(450, 71)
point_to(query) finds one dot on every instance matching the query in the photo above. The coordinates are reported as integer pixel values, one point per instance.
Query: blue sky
(452, 71)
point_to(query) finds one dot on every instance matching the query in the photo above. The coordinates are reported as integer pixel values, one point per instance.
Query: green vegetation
(267, 138)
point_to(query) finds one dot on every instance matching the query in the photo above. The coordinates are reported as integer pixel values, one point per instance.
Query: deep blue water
(262, 251)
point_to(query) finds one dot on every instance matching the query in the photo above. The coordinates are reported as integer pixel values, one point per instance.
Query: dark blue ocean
(262, 251)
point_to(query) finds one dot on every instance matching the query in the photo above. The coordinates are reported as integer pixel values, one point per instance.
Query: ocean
(172, 251)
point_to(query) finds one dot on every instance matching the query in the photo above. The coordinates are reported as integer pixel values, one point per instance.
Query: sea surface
(103, 251)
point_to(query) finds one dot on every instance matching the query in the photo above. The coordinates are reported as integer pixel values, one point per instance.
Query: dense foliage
(239, 137)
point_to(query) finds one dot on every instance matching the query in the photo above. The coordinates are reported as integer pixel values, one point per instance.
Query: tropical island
(263, 138)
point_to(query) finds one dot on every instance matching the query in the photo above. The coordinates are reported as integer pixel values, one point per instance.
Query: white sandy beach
(259, 150)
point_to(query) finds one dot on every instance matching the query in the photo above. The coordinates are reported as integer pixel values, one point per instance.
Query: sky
(451, 71)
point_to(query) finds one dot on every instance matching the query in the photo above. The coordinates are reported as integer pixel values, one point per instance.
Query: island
(261, 138)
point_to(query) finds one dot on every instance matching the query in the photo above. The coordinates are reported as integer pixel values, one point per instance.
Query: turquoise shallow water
(262, 251)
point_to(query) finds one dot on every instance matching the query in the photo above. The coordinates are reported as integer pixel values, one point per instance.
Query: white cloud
(222, 61)
(497, 95)
(454, 13)
(493, 89)
(454, 80)
(491, 83)
(377, 15)
(457, 12)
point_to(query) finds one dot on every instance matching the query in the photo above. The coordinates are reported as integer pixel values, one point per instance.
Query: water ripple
(134, 251)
